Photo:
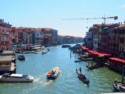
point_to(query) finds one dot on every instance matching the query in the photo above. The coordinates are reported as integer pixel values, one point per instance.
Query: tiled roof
(122, 26)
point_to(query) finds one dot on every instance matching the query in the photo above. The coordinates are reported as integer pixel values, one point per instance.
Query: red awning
(98, 53)
(118, 60)
(104, 54)
(93, 52)
(84, 48)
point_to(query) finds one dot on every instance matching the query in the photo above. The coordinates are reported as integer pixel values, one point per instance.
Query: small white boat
(119, 86)
(21, 57)
(15, 78)
(53, 73)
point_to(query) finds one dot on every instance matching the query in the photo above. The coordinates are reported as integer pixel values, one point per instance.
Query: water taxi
(53, 73)
(15, 78)
(66, 46)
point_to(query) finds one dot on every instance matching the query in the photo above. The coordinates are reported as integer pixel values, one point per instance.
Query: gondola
(82, 77)
(66, 46)
(44, 53)
(77, 60)
(94, 66)
(86, 59)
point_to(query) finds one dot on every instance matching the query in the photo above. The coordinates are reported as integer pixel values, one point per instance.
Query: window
(121, 40)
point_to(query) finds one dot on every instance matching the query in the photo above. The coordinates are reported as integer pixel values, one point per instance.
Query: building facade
(5, 37)
(38, 36)
(117, 41)
(89, 39)
(50, 36)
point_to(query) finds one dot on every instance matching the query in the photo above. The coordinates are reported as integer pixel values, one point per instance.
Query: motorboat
(44, 52)
(82, 77)
(53, 73)
(66, 46)
(21, 57)
(95, 66)
(15, 78)
(86, 59)
(118, 86)
(77, 60)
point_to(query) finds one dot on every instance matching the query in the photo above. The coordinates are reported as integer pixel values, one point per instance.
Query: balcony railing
(5, 32)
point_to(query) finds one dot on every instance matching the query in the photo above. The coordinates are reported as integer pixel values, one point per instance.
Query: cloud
(123, 5)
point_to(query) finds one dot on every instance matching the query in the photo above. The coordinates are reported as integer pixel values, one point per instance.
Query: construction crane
(104, 18)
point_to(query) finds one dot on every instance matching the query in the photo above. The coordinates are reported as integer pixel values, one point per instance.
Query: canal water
(67, 82)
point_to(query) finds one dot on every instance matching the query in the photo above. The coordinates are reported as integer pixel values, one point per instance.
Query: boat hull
(52, 77)
(17, 81)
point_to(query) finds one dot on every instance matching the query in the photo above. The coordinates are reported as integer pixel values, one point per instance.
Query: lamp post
(123, 74)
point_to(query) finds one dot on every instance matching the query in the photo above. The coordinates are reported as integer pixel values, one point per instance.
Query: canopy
(104, 54)
(93, 52)
(98, 53)
(118, 60)
(16, 75)
(84, 48)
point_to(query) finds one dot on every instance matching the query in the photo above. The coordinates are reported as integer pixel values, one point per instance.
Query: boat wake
(48, 82)
(26, 59)
(42, 80)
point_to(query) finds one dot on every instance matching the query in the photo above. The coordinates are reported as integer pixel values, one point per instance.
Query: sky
(51, 14)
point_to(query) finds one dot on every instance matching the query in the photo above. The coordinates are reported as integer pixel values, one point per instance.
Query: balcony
(5, 32)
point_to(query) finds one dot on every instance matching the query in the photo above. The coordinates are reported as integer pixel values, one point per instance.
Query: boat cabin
(6, 64)
(10, 53)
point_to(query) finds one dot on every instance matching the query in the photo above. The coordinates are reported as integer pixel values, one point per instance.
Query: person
(80, 70)
(76, 71)
(53, 72)
(48, 49)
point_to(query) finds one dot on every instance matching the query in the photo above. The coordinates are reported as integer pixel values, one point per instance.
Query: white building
(37, 36)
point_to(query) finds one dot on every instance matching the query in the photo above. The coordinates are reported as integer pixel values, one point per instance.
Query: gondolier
(80, 70)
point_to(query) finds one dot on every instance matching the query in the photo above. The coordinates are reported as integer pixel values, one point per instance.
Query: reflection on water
(67, 82)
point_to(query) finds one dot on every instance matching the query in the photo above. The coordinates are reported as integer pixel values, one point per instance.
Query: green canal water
(67, 82)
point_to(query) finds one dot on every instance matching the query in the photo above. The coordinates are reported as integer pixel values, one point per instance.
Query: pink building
(5, 38)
